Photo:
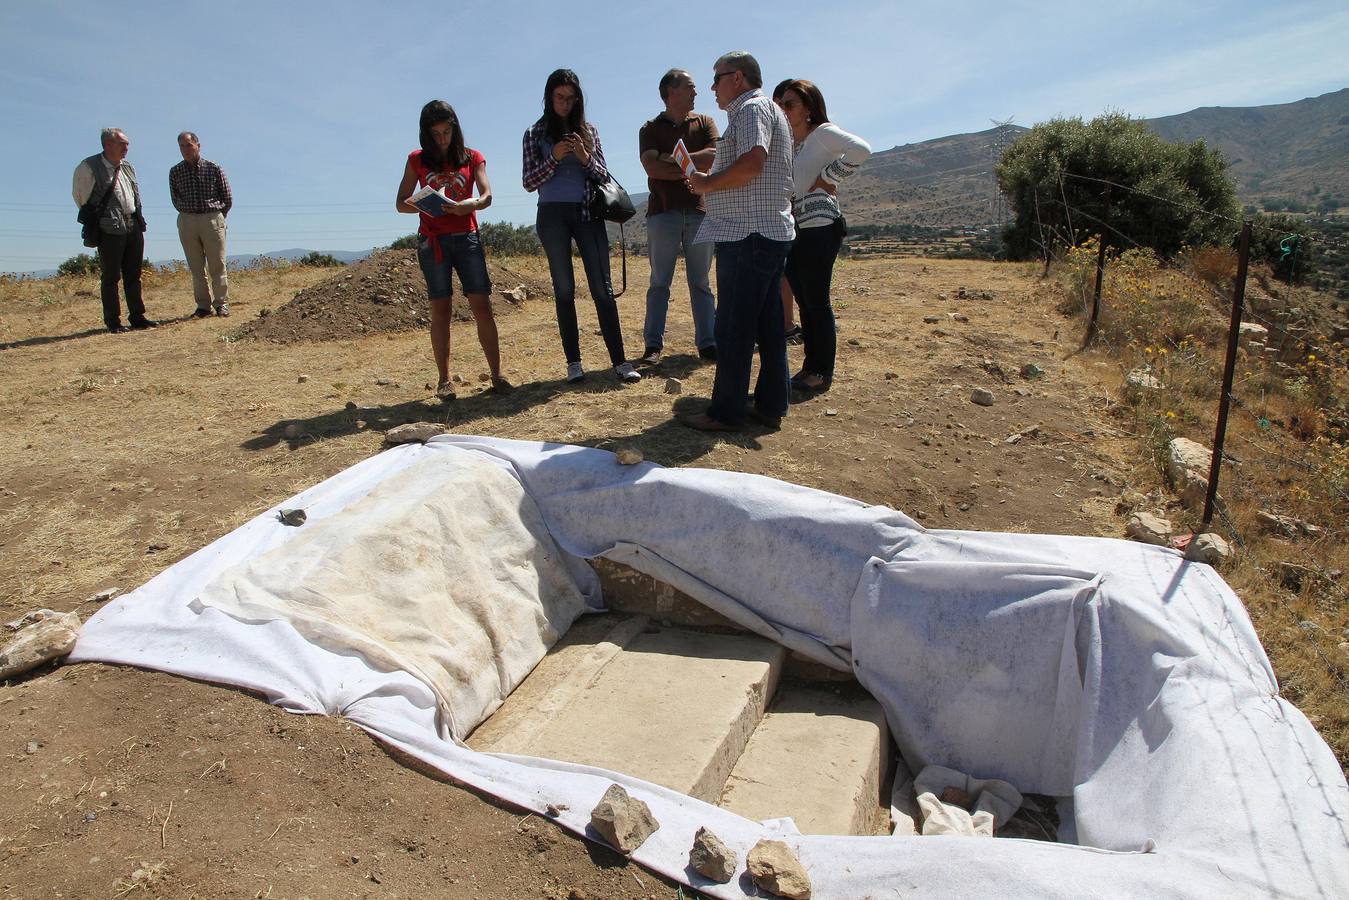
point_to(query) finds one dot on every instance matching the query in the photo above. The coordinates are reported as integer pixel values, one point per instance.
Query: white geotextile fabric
(1114, 674)
(446, 572)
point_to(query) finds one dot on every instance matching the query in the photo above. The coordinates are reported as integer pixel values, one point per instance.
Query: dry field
(122, 454)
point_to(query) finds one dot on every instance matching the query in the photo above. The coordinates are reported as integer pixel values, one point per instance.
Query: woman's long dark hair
(555, 125)
(433, 114)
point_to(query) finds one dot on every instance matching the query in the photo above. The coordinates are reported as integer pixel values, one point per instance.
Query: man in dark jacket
(109, 182)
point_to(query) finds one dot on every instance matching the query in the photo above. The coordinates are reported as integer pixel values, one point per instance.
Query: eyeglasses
(717, 76)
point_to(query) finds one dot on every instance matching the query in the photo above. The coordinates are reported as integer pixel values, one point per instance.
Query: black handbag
(611, 203)
(91, 213)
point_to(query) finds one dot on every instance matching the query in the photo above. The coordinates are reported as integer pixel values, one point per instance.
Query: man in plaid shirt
(201, 194)
(749, 216)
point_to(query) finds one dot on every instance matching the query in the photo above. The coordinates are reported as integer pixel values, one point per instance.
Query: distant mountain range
(1286, 152)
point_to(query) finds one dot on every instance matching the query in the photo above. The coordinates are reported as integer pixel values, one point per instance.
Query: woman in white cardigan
(825, 156)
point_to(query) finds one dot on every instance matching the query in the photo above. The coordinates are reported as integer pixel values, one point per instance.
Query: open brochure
(682, 158)
(431, 201)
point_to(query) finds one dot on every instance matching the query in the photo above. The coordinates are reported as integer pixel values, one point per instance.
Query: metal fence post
(1100, 271)
(1225, 399)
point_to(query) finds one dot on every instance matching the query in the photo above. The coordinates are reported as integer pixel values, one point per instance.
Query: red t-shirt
(457, 184)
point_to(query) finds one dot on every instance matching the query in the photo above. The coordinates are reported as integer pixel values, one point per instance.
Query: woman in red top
(449, 242)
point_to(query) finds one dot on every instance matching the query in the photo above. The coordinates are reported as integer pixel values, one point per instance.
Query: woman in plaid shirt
(562, 161)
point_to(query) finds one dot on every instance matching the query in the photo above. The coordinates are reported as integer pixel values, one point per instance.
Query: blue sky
(311, 108)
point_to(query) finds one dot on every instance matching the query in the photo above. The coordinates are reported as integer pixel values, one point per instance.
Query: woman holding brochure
(563, 161)
(438, 183)
(825, 155)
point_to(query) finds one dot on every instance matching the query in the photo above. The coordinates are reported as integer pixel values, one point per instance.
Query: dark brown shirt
(660, 134)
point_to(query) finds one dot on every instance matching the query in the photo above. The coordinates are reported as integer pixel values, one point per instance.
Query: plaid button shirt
(538, 166)
(202, 188)
(764, 206)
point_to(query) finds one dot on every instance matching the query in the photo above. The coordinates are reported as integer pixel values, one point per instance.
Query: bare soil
(122, 454)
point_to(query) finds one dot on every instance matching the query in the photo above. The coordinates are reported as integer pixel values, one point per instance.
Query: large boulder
(1187, 464)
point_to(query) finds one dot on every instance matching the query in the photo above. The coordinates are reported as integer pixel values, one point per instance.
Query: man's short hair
(742, 62)
(108, 135)
(190, 135)
(673, 78)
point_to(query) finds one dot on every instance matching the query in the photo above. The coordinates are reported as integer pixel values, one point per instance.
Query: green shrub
(319, 260)
(505, 239)
(406, 242)
(83, 264)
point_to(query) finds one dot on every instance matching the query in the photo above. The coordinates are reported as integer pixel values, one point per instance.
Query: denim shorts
(460, 253)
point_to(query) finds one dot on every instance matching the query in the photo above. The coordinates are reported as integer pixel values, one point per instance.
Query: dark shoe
(708, 353)
(202, 314)
(143, 324)
(704, 422)
(809, 381)
(650, 357)
(794, 335)
(118, 329)
(223, 310)
(770, 422)
(575, 373)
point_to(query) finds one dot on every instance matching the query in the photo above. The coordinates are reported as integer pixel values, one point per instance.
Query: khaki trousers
(203, 237)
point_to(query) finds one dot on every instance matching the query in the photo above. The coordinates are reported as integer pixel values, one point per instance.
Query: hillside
(1296, 151)
(1286, 152)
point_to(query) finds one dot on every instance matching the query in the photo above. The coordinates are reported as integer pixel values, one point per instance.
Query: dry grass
(1282, 456)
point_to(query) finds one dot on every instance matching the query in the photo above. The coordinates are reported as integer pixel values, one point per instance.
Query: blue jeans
(810, 272)
(558, 225)
(460, 253)
(749, 310)
(667, 234)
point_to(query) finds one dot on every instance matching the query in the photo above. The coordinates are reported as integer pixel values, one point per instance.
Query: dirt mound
(384, 292)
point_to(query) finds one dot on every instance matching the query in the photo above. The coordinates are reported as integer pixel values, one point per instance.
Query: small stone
(891, 376)
(517, 294)
(1208, 548)
(413, 432)
(774, 867)
(484, 377)
(1149, 529)
(90, 816)
(854, 342)
(302, 378)
(982, 397)
(293, 430)
(960, 317)
(1031, 371)
(382, 382)
(1139, 381)
(156, 546)
(458, 379)
(629, 456)
(293, 517)
(31, 747)
(41, 635)
(556, 809)
(350, 407)
(102, 596)
(831, 411)
(931, 320)
(711, 858)
(674, 386)
(1187, 465)
(622, 820)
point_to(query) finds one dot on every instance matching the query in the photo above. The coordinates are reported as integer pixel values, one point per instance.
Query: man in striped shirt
(201, 194)
(749, 216)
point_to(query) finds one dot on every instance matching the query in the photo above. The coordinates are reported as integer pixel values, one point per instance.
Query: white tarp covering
(1114, 674)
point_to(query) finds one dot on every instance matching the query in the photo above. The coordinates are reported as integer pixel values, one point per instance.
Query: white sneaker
(626, 373)
(575, 373)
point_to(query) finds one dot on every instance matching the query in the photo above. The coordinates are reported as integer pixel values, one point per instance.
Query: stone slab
(672, 707)
(821, 756)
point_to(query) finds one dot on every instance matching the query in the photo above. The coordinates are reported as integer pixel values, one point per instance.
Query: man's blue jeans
(667, 234)
(749, 310)
(558, 225)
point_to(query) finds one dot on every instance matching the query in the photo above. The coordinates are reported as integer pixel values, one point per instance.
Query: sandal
(445, 391)
(794, 335)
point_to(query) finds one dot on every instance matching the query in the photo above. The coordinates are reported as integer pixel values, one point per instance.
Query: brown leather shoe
(703, 422)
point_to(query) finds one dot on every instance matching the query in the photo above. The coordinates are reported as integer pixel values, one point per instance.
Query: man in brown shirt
(674, 214)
